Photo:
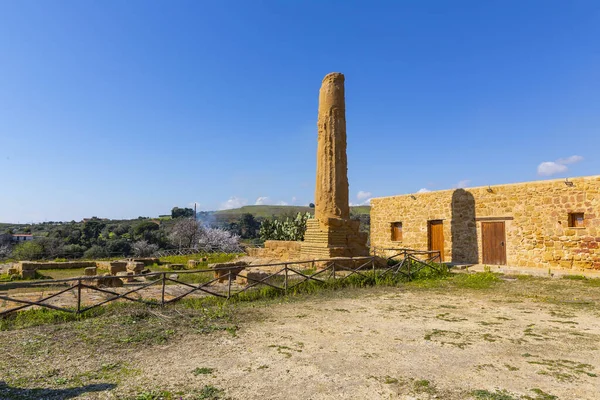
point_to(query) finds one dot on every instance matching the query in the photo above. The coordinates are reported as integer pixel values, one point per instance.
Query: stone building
(549, 224)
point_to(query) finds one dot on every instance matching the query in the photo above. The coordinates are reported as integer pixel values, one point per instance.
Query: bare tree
(144, 249)
(215, 239)
(5, 245)
(185, 233)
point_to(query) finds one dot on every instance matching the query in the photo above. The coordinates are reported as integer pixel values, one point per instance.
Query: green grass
(482, 280)
(211, 259)
(203, 371)
(496, 395)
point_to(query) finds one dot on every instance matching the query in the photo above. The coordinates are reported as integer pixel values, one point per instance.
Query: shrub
(144, 249)
(28, 251)
(95, 252)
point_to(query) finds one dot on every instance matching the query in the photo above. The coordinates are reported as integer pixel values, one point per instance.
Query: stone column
(331, 233)
(331, 193)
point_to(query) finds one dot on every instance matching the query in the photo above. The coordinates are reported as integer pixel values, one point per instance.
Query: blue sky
(127, 108)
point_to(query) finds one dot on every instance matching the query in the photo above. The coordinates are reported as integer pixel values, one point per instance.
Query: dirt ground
(526, 338)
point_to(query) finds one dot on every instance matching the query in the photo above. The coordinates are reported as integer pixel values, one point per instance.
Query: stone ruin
(332, 233)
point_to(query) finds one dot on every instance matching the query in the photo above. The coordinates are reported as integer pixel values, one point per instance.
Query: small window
(576, 220)
(396, 231)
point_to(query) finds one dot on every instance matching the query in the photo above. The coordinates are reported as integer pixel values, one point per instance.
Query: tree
(184, 233)
(5, 245)
(95, 252)
(143, 230)
(92, 229)
(215, 239)
(28, 251)
(248, 226)
(144, 249)
(177, 212)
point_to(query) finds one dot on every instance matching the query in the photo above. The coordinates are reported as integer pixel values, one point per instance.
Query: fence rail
(226, 282)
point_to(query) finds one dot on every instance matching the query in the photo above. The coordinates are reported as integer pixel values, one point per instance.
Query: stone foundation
(279, 249)
(335, 238)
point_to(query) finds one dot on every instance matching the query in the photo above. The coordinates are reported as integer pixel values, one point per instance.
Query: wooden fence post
(229, 284)
(78, 296)
(285, 279)
(164, 282)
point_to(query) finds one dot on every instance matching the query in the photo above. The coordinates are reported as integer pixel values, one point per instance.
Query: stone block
(90, 271)
(222, 270)
(176, 267)
(192, 264)
(115, 269)
(135, 266)
(28, 274)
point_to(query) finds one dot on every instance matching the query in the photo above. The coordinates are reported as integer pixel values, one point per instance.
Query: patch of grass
(388, 380)
(540, 395)
(481, 280)
(446, 317)
(574, 277)
(424, 386)
(564, 370)
(203, 371)
(211, 258)
(496, 395)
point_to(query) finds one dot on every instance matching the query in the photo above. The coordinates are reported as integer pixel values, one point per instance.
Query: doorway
(435, 230)
(493, 240)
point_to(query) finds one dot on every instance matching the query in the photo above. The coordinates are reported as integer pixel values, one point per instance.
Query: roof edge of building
(538, 182)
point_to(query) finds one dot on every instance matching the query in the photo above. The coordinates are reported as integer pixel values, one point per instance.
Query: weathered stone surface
(222, 270)
(332, 233)
(28, 273)
(192, 264)
(279, 249)
(109, 281)
(331, 193)
(116, 267)
(535, 215)
(176, 267)
(135, 266)
(30, 265)
(13, 271)
(90, 271)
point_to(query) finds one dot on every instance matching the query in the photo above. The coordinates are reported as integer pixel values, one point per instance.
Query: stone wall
(31, 265)
(536, 217)
(280, 249)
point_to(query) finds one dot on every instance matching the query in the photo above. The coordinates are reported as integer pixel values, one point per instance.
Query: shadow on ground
(8, 392)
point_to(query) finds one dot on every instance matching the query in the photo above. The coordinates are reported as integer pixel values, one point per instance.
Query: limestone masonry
(550, 224)
(331, 233)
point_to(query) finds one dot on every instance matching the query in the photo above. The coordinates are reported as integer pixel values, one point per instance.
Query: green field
(276, 211)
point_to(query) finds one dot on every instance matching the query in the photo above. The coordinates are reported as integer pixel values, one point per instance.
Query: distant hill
(276, 211)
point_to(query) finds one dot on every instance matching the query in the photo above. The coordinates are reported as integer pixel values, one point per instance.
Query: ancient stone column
(331, 193)
(332, 233)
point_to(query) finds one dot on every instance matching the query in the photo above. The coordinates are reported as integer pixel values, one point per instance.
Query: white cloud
(423, 190)
(549, 168)
(261, 201)
(462, 184)
(294, 199)
(361, 195)
(233, 202)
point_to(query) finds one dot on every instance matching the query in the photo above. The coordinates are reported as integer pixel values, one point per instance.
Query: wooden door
(493, 240)
(436, 237)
